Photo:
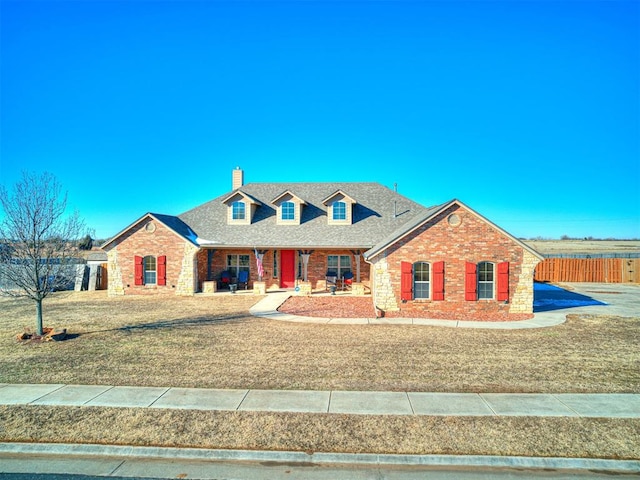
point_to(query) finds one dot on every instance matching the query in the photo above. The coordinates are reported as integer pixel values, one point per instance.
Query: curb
(321, 458)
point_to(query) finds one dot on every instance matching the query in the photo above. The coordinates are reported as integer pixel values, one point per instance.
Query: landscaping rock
(56, 335)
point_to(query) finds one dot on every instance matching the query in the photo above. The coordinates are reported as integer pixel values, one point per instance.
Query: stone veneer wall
(115, 286)
(189, 272)
(522, 298)
(383, 295)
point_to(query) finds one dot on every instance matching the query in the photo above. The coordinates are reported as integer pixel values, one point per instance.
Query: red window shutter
(138, 271)
(503, 281)
(162, 270)
(406, 281)
(438, 281)
(470, 282)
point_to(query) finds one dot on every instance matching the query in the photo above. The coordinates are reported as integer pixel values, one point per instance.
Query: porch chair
(347, 280)
(243, 279)
(225, 279)
(331, 279)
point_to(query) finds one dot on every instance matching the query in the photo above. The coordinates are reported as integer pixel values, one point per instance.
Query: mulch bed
(348, 306)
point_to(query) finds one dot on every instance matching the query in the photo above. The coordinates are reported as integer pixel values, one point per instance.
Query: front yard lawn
(212, 342)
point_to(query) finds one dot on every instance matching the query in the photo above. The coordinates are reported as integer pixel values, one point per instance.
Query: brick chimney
(237, 179)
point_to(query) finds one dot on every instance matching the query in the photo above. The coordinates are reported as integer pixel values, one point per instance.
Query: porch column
(305, 266)
(356, 255)
(210, 253)
(305, 254)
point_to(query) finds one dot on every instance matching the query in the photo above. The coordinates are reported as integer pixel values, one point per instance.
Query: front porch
(304, 272)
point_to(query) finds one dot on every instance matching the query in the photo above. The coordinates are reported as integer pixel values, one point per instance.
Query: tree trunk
(39, 317)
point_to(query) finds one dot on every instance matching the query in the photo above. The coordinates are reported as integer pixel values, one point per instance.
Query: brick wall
(150, 237)
(470, 240)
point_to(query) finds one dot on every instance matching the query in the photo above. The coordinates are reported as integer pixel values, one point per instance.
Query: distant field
(584, 246)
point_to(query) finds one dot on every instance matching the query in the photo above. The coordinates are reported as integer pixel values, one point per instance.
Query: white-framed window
(238, 210)
(237, 263)
(486, 280)
(150, 270)
(339, 264)
(288, 211)
(339, 210)
(421, 280)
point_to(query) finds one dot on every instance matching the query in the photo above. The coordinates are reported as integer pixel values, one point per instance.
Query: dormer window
(289, 208)
(241, 208)
(339, 211)
(288, 211)
(339, 208)
(238, 211)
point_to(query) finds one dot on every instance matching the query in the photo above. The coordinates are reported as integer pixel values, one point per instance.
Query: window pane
(238, 263)
(345, 265)
(237, 210)
(149, 263)
(421, 290)
(421, 284)
(243, 263)
(332, 262)
(485, 280)
(232, 265)
(339, 210)
(485, 290)
(288, 211)
(421, 272)
(485, 272)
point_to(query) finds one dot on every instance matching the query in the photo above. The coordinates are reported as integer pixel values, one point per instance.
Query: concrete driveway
(593, 298)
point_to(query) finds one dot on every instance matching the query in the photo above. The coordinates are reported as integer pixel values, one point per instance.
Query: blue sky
(529, 112)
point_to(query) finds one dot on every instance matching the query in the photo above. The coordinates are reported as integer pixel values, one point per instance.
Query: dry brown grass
(213, 342)
(517, 436)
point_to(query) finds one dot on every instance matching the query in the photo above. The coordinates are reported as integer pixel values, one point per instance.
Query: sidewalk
(338, 402)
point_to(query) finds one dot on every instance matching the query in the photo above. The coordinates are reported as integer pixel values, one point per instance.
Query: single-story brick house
(445, 258)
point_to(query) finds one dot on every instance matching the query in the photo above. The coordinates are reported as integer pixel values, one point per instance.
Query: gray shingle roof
(378, 211)
(171, 221)
(415, 222)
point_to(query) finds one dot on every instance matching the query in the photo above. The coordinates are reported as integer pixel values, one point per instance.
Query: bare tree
(38, 241)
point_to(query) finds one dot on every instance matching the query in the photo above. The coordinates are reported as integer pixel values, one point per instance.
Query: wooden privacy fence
(599, 270)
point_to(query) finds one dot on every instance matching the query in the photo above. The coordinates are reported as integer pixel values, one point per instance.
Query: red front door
(287, 268)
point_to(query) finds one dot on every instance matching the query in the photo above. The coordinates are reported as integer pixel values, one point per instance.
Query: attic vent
(454, 220)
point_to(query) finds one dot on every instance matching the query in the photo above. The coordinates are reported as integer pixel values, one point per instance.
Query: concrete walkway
(344, 402)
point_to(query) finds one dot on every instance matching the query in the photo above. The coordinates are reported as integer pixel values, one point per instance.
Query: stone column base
(259, 288)
(209, 287)
(304, 288)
